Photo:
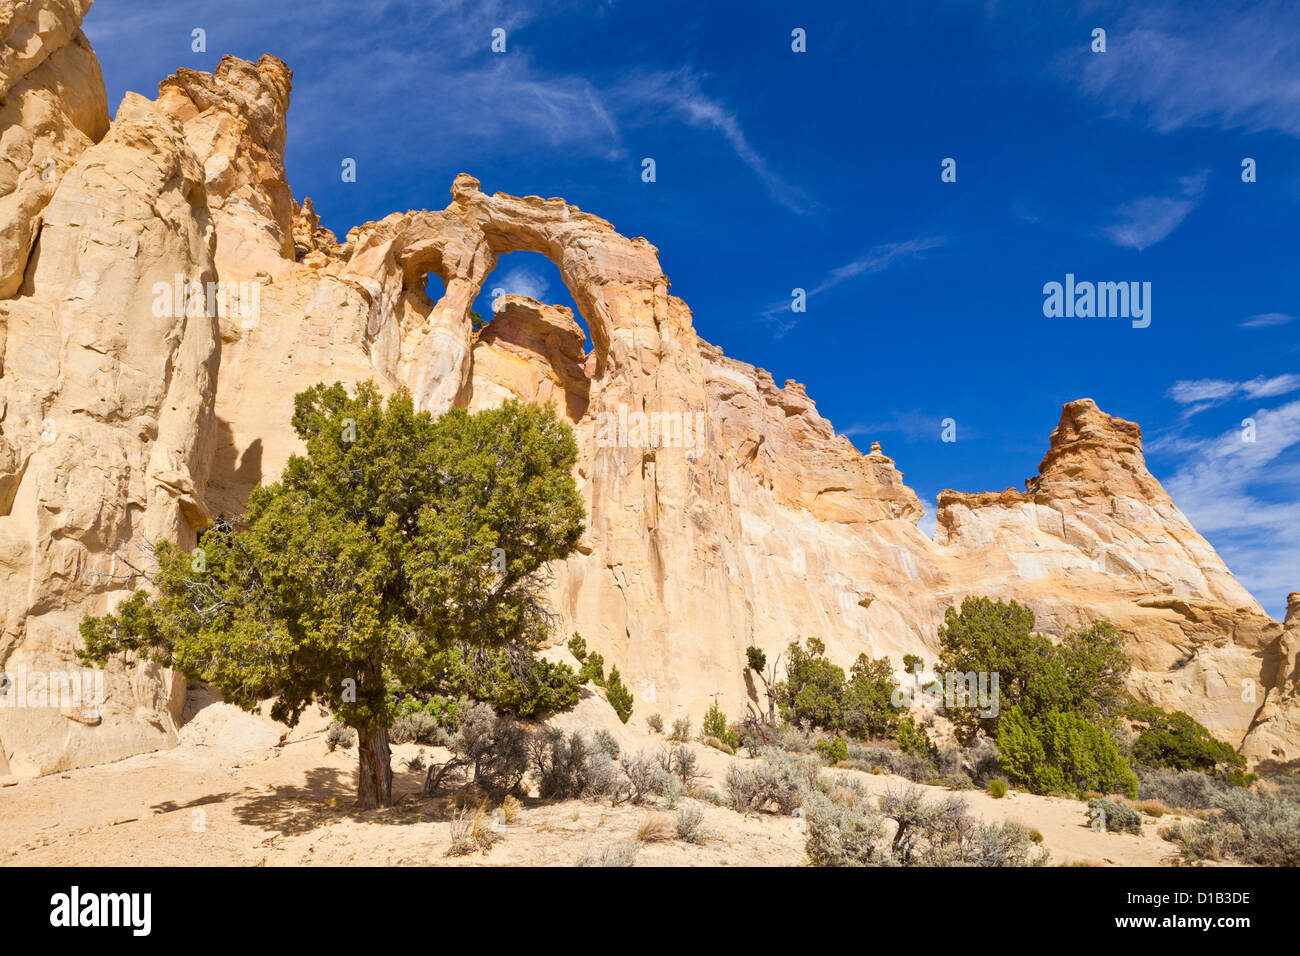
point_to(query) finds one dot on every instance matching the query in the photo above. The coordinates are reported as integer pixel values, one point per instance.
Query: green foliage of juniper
(512, 679)
(715, 725)
(620, 698)
(819, 693)
(593, 671)
(813, 686)
(1062, 751)
(912, 738)
(372, 555)
(834, 749)
(1082, 675)
(1178, 742)
(866, 705)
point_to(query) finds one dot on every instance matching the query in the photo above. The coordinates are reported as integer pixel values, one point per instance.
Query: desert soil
(241, 790)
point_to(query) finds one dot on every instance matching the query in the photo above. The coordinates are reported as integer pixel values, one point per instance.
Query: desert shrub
(795, 739)
(934, 833)
(981, 761)
(947, 759)
(740, 789)
(715, 725)
(620, 854)
(669, 787)
(717, 744)
(997, 788)
(655, 723)
(471, 830)
(1062, 751)
(914, 820)
(868, 757)
(642, 778)
(1152, 808)
(1186, 789)
(834, 749)
(681, 762)
(755, 734)
(1261, 829)
(916, 769)
(1174, 741)
(957, 780)
(417, 727)
(567, 767)
(681, 729)
(1113, 817)
(839, 835)
(778, 778)
(340, 736)
(943, 833)
(841, 788)
(1005, 844)
(784, 778)
(656, 828)
(511, 808)
(494, 749)
(690, 825)
(604, 741)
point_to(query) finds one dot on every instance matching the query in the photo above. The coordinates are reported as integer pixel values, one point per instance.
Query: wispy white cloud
(879, 259)
(680, 94)
(452, 97)
(913, 425)
(1205, 393)
(876, 260)
(1229, 489)
(1178, 65)
(1201, 390)
(522, 280)
(1265, 319)
(1143, 222)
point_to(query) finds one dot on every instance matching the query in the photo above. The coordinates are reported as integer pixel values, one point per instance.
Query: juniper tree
(396, 536)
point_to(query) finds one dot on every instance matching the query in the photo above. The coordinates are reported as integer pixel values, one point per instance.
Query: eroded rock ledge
(756, 525)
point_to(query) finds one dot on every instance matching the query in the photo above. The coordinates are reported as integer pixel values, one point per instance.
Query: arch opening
(531, 274)
(535, 344)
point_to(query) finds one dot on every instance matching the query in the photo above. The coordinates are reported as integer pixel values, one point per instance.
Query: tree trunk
(375, 774)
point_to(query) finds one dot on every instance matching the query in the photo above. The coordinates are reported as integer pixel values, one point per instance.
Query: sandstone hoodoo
(122, 426)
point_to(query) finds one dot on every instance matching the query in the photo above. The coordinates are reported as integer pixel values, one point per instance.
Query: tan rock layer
(723, 511)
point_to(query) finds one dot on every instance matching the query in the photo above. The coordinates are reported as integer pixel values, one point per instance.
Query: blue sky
(820, 170)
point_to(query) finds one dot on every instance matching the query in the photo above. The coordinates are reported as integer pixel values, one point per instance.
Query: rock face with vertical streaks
(163, 297)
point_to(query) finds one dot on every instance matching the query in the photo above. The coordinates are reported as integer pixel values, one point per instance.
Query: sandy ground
(241, 790)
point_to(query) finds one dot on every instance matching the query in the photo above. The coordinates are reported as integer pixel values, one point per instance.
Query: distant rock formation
(723, 511)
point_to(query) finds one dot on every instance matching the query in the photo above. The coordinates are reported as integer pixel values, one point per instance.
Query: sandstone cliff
(723, 510)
